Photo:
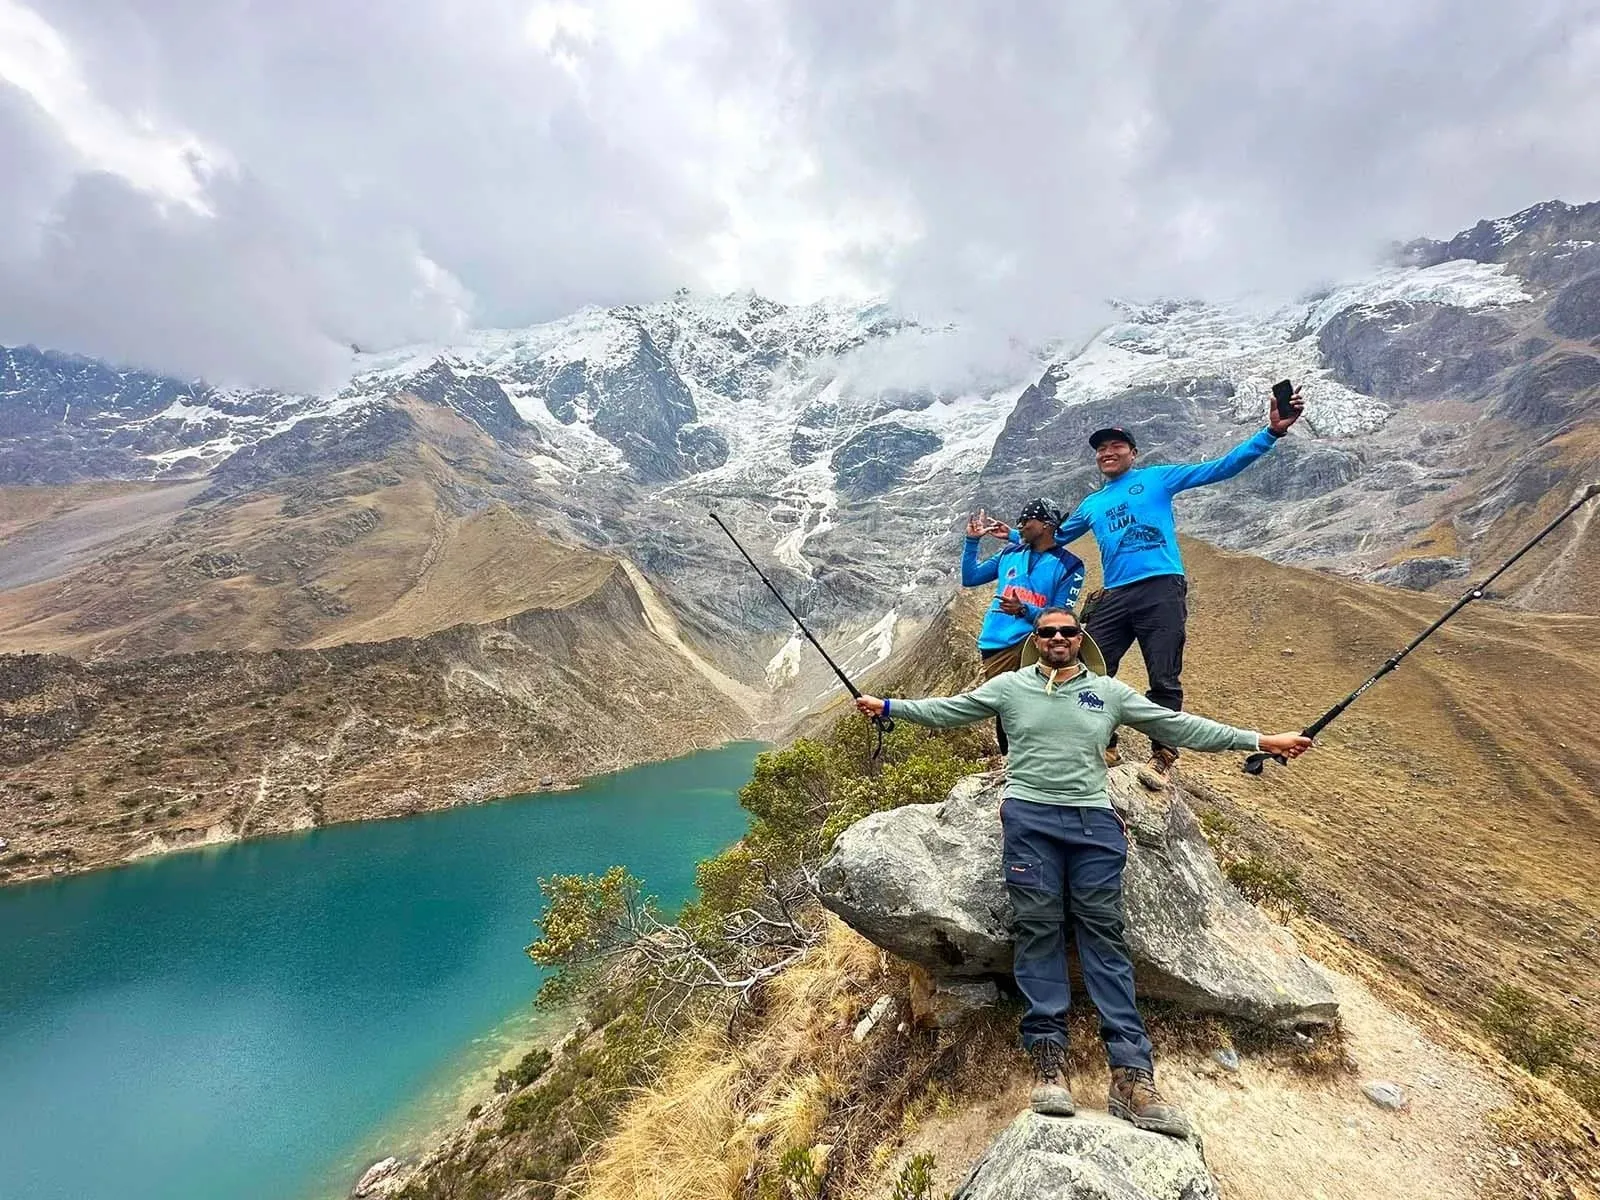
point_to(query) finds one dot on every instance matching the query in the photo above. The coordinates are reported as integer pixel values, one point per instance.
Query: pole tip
(1590, 492)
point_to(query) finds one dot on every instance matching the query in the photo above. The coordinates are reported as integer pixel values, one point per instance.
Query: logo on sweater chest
(1090, 701)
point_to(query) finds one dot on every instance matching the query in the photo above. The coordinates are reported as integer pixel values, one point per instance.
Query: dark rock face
(1547, 244)
(1550, 392)
(1298, 469)
(65, 418)
(925, 882)
(1414, 351)
(636, 400)
(642, 406)
(1421, 573)
(40, 389)
(326, 443)
(878, 457)
(702, 448)
(1575, 312)
(477, 397)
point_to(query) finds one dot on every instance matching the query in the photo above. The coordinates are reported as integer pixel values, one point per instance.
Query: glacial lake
(261, 1021)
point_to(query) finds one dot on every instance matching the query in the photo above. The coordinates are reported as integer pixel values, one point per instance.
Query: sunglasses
(1051, 632)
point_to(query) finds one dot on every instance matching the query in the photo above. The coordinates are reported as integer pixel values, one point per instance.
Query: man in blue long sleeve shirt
(1030, 576)
(1145, 598)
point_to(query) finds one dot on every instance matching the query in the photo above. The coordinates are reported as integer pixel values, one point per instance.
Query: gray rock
(1551, 391)
(1227, 1058)
(1407, 351)
(925, 883)
(1575, 312)
(1421, 573)
(1385, 1094)
(878, 457)
(374, 1176)
(1091, 1157)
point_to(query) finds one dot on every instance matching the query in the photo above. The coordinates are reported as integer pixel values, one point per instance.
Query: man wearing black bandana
(1029, 575)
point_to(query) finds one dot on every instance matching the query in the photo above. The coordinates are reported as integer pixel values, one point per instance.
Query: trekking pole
(1254, 764)
(882, 723)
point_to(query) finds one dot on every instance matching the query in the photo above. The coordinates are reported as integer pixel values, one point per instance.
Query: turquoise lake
(260, 1021)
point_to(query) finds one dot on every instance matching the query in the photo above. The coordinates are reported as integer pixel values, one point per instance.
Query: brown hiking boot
(1051, 1097)
(1113, 756)
(1157, 773)
(1134, 1097)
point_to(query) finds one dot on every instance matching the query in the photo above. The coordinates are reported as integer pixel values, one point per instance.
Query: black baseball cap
(1111, 433)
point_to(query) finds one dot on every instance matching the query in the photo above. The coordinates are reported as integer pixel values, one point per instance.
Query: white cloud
(170, 165)
(286, 183)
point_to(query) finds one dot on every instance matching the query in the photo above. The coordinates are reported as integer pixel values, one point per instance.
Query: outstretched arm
(1177, 479)
(942, 712)
(1198, 733)
(1192, 475)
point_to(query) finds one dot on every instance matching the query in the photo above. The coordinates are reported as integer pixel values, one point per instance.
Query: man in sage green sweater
(1065, 847)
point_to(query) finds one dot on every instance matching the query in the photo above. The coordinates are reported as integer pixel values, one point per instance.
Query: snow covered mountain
(846, 443)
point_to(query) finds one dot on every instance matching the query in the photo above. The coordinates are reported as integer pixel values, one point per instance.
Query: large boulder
(1087, 1158)
(925, 882)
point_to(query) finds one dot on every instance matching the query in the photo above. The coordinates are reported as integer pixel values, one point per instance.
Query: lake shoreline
(265, 1019)
(406, 802)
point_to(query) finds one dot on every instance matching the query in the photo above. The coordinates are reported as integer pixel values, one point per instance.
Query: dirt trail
(1269, 1134)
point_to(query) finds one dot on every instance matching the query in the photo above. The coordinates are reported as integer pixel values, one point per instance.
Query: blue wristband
(886, 704)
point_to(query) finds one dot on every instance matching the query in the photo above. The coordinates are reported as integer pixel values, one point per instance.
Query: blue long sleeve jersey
(1131, 515)
(1039, 579)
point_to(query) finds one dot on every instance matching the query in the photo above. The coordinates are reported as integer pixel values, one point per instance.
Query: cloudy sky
(241, 188)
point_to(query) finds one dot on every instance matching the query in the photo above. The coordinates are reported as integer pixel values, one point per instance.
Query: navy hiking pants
(1154, 613)
(1063, 866)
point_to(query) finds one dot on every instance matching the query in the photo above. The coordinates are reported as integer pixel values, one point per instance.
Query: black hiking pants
(1152, 612)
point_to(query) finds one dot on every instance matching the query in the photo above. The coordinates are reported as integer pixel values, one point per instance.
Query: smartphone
(1282, 394)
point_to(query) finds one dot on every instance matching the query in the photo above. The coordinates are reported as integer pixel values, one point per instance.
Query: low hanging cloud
(242, 191)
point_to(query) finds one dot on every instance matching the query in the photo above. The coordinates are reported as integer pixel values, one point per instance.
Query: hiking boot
(1157, 773)
(1050, 1096)
(1134, 1097)
(1113, 756)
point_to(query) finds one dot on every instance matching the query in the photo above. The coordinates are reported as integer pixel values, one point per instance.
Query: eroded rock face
(1092, 1157)
(925, 882)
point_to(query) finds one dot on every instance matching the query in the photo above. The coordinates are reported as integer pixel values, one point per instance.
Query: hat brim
(1088, 654)
(1100, 436)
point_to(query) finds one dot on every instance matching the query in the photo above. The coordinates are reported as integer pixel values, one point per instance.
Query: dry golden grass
(382, 556)
(683, 1138)
(727, 1112)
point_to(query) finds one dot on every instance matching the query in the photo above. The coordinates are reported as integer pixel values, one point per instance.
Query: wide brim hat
(1088, 654)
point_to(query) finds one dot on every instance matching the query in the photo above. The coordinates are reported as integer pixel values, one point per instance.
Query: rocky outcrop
(878, 457)
(1087, 1158)
(925, 882)
(1414, 351)
(1421, 574)
(1575, 312)
(475, 396)
(1552, 391)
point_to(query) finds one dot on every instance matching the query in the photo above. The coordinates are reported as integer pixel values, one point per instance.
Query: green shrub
(1217, 827)
(532, 1065)
(916, 1179)
(1529, 1034)
(1262, 881)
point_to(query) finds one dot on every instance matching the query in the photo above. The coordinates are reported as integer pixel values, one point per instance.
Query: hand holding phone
(1283, 394)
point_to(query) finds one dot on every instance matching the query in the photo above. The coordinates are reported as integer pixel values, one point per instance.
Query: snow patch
(785, 664)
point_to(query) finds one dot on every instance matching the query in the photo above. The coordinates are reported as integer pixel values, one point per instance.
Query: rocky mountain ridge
(1446, 392)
